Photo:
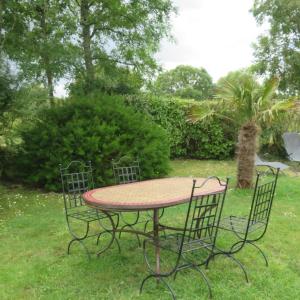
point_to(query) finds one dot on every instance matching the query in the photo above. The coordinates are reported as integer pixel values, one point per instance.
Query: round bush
(98, 128)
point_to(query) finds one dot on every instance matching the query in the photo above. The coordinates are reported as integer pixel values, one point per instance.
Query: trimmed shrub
(212, 140)
(98, 128)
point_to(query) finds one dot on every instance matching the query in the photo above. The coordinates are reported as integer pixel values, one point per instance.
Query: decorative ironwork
(76, 179)
(250, 229)
(126, 171)
(198, 233)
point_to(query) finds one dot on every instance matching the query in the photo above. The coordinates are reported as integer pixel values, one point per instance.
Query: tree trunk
(50, 85)
(246, 154)
(44, 54)
(86, 42)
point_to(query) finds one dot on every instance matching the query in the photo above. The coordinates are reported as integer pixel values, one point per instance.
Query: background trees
(278, 51)
(185, 82)
(37, 37)
(50, 39)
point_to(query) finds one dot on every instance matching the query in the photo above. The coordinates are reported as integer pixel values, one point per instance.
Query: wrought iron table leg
(156, 240)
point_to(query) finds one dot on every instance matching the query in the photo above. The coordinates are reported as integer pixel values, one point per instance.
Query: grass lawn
(34, 263)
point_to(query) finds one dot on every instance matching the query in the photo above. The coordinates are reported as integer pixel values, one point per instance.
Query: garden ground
(34, 263)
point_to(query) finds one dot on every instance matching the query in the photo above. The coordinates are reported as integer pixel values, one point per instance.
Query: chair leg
(261, 252)
(196, 268)
(233, 258)
(82, 244)
(160, 280)
(111, 231)
(78, 239)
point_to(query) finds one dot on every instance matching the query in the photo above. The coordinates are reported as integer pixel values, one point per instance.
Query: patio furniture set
(146, 200)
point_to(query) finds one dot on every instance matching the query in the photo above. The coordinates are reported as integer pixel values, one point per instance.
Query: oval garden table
(148, 195)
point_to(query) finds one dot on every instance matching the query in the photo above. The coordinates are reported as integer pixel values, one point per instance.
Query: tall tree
(124, 32)
(185, 82)
(247, 104)
(278, 52)
(37, 36)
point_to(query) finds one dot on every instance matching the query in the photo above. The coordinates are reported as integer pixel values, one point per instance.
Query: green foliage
(110, 79)
(37, 36)
(213, 140)
(99, 128)
(185, 82)
(278, 51)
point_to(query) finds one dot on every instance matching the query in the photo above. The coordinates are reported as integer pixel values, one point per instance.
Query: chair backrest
(292, 145)
(203, 215)
(126, 172)
(258, 160)
(262, 201)
(76, 178)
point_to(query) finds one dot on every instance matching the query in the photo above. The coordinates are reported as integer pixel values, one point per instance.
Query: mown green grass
(34, 263)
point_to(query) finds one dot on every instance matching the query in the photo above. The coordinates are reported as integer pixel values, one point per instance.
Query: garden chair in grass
(292, 145)
(251, 228)
(194, 242)
(272, 165)
(77, 178)
(128, 171)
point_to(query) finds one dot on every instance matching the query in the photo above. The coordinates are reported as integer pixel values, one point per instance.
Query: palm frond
(272, 112)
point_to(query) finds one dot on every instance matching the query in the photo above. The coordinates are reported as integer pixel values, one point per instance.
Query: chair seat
(270, 164)
(172, 243)
(89, 215)
(239, 224)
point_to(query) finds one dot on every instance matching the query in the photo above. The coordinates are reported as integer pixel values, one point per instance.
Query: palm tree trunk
(246, 154)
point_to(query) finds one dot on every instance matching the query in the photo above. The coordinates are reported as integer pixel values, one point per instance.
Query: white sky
(213, 34)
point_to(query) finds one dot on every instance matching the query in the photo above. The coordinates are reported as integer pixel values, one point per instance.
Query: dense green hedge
(99, 128)
(213, 140)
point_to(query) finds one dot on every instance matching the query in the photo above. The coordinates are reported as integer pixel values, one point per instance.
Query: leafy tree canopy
(278, 51)
(185, 82)
(110, 79)
(50, 39)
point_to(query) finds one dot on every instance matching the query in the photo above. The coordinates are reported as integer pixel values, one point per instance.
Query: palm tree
(245, 102)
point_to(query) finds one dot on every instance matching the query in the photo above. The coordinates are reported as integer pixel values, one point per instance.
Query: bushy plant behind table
(99, 128)
(210, 140)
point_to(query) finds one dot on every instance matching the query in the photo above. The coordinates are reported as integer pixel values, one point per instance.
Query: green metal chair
(76, 179)
(128, 171)
(198, 234)
(251, 228)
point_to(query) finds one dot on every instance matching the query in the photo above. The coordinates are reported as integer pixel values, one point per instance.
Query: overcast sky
(213, 34)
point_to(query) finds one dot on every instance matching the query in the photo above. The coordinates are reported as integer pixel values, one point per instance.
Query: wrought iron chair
(128, 171)
(251, 228)
(76, 179)
(198, 234)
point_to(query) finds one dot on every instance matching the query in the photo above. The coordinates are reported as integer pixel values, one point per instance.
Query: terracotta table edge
(89, 199)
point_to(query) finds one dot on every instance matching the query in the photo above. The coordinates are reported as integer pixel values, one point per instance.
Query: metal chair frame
(77, 178)
(244, 227)
(125, 174)
(198, 233)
